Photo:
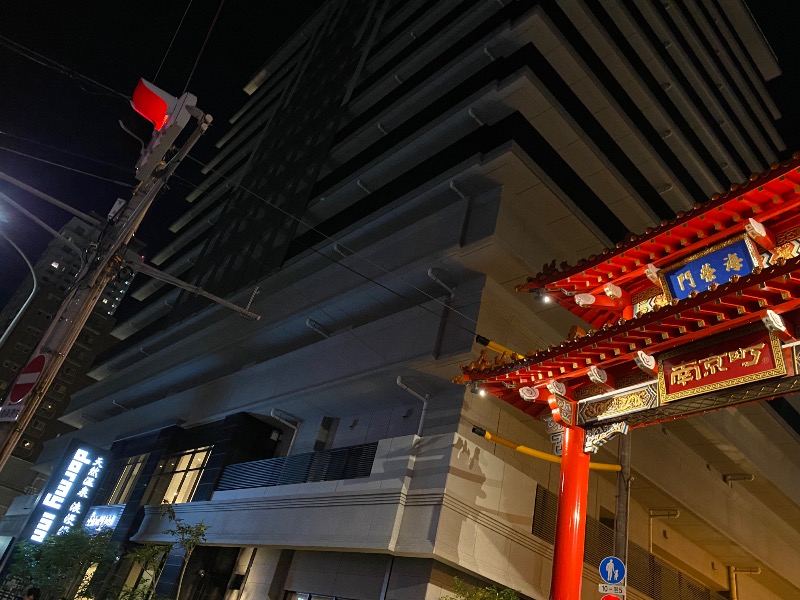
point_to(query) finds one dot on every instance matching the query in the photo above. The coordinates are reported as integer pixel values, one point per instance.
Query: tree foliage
(150, 557)
(464, 591)
(58, 565)
(186, 536)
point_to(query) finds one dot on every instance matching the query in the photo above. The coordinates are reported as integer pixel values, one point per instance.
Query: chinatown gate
(698, 314)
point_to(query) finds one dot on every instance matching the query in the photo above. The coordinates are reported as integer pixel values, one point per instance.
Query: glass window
(10, 364)
(127, 479)
(36, 428)
(177, 476)
(142, 578)
(305, 596)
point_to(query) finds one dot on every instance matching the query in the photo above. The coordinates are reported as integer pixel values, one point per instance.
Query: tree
(60, 563)
(186, 536)
(463, 591)
(150, 557)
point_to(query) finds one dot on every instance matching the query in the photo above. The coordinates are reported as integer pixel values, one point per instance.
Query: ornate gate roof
(626, 297)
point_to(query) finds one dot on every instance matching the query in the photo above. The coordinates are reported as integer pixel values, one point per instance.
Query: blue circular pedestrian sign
(612, 569)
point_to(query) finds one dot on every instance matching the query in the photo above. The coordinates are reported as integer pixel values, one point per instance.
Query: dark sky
(116, 43)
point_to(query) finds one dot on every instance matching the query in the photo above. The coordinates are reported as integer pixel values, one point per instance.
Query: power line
(68, 152)
(44, 61)
(203, 47)
(341, 245)
(172, 41)
(65, 167)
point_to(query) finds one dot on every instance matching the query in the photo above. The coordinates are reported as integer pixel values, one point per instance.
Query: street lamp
(24, 307)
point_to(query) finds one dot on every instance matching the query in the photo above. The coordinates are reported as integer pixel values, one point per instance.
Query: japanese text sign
(715, 265)
(734, 358)
(68, 494)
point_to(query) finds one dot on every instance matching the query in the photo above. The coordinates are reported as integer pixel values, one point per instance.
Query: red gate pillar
(571, 517)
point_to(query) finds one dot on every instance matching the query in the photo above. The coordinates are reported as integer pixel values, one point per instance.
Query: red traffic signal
(153, 103)
(169, 115)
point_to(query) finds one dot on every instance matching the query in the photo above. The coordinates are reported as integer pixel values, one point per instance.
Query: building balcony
(359, 497)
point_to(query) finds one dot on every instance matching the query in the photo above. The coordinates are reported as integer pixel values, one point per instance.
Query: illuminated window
(105, 300)
(25, 447)
(127, 480)
(177, 476)
(47, 409)
(141, 580)
(54, 264)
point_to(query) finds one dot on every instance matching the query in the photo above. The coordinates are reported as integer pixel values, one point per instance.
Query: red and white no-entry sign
(27, 379)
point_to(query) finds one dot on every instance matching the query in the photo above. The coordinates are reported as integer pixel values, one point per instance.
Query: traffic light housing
(168, 114)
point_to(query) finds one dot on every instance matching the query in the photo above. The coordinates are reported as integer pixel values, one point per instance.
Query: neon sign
(68, 494)
(103, 517)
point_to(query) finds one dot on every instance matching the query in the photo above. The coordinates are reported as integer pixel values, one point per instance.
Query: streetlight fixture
(27, 302)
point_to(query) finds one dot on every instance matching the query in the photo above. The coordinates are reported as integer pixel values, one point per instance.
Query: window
(10, 364)
(23, 347)
(36, 428)
(127, 479)
(25, 447)
(141, 580)
(176, 477)
(54, 264)
(47, 409)
(302, 596)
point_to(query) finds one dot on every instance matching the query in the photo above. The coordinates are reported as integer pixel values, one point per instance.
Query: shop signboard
(734, 358)
(69, 493)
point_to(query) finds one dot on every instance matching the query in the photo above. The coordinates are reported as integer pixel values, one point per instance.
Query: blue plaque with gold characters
(714, 265)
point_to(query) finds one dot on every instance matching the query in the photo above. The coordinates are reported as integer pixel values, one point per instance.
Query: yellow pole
(497, 347)
(537, 453)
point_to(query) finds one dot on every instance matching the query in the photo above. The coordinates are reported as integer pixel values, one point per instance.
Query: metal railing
(330, 465)
(645, 573)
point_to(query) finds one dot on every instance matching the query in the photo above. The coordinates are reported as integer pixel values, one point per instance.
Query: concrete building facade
(399, 168)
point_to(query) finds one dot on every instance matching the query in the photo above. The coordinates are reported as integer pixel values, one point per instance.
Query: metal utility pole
(623, 498)
(102, 262)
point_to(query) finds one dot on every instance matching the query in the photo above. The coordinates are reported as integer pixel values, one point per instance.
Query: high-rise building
(33, 310)
(399, 167)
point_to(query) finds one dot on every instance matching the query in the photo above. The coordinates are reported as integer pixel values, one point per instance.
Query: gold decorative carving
(750, 355)
(765, 390)
(565, 408)
(597, 436)
(619, 405)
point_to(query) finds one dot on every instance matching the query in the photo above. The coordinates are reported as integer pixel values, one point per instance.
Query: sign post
(612, 571)
(22, 386)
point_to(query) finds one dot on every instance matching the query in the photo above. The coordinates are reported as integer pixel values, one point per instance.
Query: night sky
(116, 43)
